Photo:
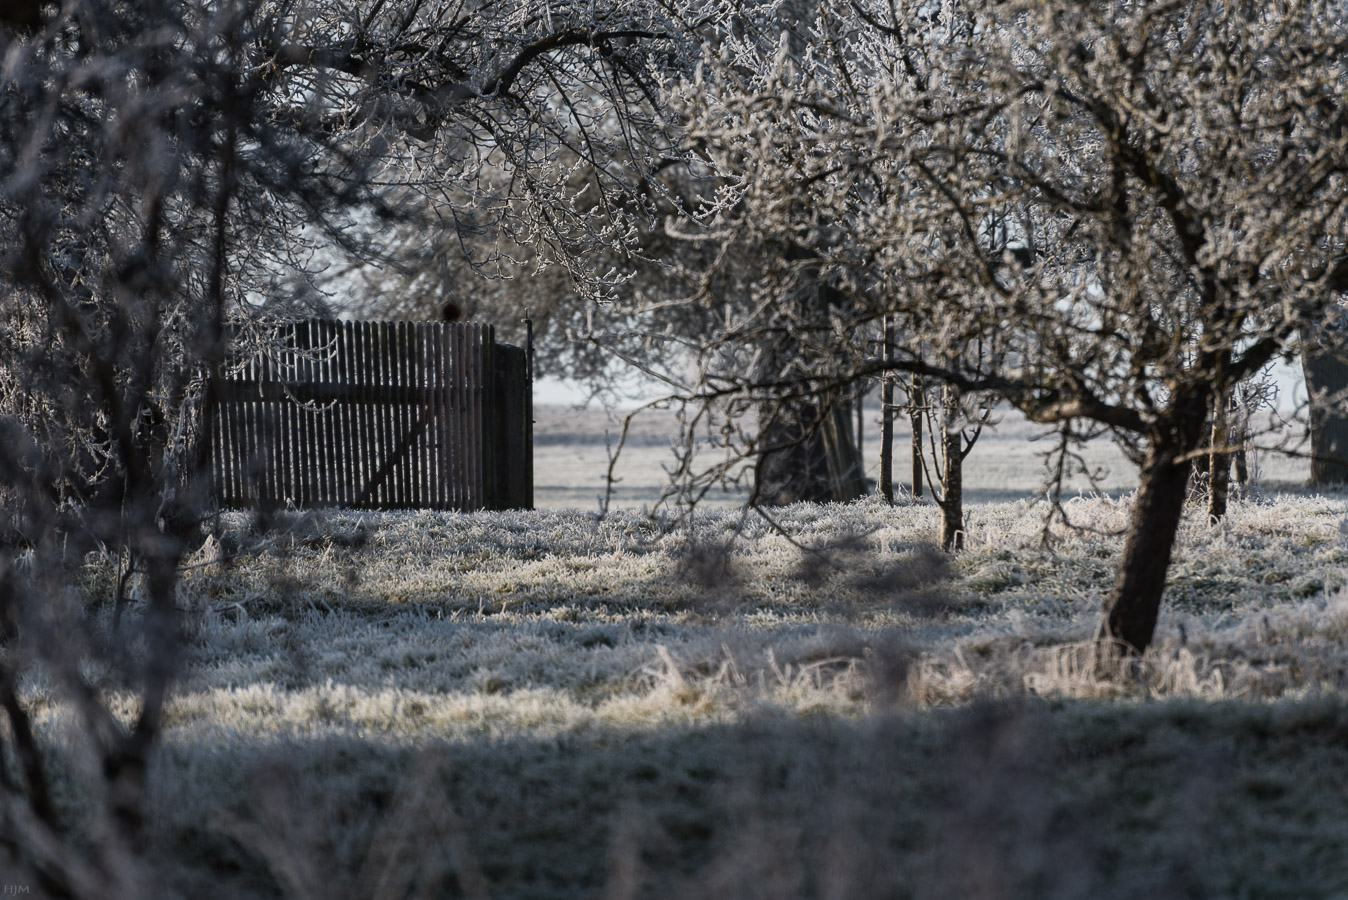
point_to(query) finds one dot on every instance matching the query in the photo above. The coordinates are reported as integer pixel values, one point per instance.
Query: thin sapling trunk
(886, 479)
(1219, 462)
(916, 412)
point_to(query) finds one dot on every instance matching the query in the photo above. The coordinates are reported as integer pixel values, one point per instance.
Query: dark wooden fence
(377, 415)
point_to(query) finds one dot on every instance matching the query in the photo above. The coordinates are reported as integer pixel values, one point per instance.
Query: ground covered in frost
(549, 704)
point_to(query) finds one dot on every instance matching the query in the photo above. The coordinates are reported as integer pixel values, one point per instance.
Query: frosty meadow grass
(548, 704)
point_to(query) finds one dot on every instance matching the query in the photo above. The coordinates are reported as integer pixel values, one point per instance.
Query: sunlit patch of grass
(718, 701)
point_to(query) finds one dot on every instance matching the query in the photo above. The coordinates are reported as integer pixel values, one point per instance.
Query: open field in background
(547, 705)
(572, 446)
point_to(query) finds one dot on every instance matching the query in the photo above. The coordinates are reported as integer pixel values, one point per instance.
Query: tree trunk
(861, 420)
(1240, 438)
(886, 484)
(807, 453)
(1133, 607)
(846, 471)
(1219, 461)
(952, 487)
(916, 398)
(1326, 376)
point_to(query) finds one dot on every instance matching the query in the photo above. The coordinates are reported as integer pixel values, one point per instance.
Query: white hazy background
(573, 444)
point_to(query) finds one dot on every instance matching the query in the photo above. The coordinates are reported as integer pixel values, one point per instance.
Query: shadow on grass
(1007, 800)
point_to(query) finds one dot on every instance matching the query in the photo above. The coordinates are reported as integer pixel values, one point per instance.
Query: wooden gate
(377, 415)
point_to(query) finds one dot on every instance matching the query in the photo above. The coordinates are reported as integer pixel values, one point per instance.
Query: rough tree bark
(1326, 376)
(807, 453)
(1130, 618)
(1134, 604)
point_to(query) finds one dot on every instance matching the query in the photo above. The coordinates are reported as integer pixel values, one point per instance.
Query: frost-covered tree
(174, 173)
(532, 159)
(126, 134)
(1126, 208)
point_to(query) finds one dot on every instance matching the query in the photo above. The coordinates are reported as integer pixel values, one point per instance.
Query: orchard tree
(535, 172)
(175, 173)
(1129, 208)
(625, 162)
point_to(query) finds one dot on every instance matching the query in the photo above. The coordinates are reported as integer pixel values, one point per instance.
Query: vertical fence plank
(316, 418)
(448, 426)
(372, 396)
(254, 429)
(474, 434)
(369, 393)
(403, 470)
(304, 469)
(248, 433)
(257, 462)
(224, 415)
(322, 417)
(369, 388)
(489, 425)
(462, 379)
(417, 447)
(413, 437)
(388, 417)
(351, 469)
(356, 340)
(295, 418)
(354, 333)
(527, 380)
(417, 373)
(446, 447)
(309, 368)
(402, 488)
(331, 458)
(470, 434)
(280, 375)
(275, 441)
(421, 443)
(320, 443)
(224, 491)
(258, 452)
(432, 380)
(366, 407)
(345, 378)
(233, 445)
(482, 397)
(332, 412)
(393, 477)
(460, 416)
(290, 339)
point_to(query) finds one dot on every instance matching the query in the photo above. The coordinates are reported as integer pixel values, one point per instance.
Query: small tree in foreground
(1129, 208)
